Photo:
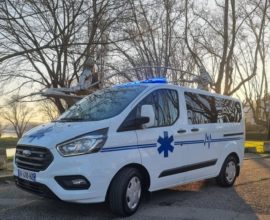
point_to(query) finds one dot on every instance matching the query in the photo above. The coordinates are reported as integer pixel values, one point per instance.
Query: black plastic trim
(187, 168)
(35, 188)
(233, 134)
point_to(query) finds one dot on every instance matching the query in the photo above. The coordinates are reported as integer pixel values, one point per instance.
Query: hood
(51, 134)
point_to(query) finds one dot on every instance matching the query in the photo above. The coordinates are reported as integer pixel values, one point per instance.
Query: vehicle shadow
(204, 196)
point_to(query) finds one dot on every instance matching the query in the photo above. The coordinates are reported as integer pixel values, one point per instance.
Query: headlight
(85, 144)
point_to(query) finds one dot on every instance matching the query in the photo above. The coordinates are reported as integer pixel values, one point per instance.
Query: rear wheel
(228, 173)
(125, 192)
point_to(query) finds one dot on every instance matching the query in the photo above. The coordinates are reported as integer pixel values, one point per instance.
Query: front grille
(33, 158)
(36, 188)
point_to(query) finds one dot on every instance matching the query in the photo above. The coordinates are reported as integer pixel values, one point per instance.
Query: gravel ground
(248, 199)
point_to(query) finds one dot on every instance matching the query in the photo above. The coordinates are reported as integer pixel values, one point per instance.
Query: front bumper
(88, 166)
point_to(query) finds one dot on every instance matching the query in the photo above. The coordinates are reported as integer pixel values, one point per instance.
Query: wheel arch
(235, 155)
(232, 148)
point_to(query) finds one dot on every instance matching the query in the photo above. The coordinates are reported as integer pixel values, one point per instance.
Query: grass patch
(8, 142)
(10, 159)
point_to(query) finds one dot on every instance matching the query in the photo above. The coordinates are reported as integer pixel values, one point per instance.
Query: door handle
(182, 131)
(194, 129)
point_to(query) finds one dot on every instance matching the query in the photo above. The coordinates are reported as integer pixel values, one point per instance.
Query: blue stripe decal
(188, 142)
(109, 150)
(207, 140)
(130, 147)
(154, 145)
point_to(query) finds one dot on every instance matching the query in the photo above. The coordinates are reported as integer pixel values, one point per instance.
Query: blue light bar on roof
(153, 80)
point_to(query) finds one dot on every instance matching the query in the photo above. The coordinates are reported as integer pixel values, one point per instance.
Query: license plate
(27, 175)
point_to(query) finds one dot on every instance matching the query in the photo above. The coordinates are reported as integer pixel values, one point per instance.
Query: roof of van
(154, 82)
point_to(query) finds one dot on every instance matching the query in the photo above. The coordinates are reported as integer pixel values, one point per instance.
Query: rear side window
(166, 106)
(203, 109)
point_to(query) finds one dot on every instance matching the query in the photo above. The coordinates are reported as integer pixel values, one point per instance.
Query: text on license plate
(27, 175)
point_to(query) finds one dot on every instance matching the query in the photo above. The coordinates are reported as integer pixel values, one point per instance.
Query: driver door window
(166, 107)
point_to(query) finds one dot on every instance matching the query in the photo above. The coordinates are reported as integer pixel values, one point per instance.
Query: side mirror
(148, 112)
(134, 124)
(141, 121)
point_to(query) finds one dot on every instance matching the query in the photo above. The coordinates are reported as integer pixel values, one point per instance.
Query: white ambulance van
(120, 142)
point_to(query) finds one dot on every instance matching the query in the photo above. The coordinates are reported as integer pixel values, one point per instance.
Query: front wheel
(125, 192)
(228, 173)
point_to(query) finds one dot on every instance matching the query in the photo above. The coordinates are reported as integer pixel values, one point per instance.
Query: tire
(125, 192)
(228, 172)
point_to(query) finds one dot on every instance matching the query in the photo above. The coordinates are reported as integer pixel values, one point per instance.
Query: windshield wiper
(68, 119)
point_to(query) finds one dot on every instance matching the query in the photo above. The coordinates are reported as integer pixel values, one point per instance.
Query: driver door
(161, 157)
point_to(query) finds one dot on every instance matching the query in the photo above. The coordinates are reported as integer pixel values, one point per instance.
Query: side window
(166, 106)
(228, 111)
(202, 109)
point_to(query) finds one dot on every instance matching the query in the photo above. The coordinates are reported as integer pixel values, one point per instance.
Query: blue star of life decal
(39, 133)
(165, 144)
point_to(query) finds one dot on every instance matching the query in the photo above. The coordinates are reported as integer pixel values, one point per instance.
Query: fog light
(74, 182)
(79, 182)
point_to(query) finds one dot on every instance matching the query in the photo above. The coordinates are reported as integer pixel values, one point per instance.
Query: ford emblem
(26, 153)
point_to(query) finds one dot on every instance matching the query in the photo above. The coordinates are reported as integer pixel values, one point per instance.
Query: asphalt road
(248, 199)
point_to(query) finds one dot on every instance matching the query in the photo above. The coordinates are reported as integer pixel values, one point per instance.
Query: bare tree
(256, 91)
(2, 128)
(44, 44)
(216, 40)
(156, 38)
(18, 115)
(152, 29)
(48, 110)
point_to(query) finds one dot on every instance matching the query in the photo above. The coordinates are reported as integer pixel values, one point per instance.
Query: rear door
(201, 136)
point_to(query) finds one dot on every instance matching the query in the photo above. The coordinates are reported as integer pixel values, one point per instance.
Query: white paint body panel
(100, 168)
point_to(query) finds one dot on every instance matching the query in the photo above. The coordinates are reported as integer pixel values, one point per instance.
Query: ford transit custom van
(120, 142)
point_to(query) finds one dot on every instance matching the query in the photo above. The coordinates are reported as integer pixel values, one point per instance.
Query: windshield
(102, 104)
